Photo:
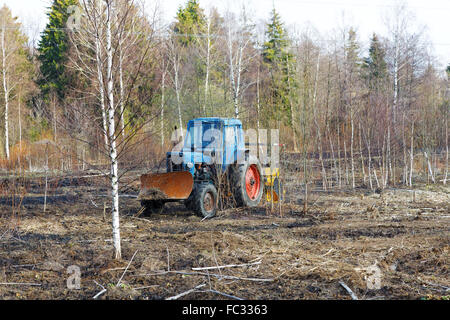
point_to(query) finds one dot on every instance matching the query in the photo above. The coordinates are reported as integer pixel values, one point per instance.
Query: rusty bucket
(166, 186)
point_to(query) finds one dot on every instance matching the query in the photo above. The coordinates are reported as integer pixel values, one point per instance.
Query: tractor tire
(204, 201)
(151, 206)
(247, 183)
(189, 202)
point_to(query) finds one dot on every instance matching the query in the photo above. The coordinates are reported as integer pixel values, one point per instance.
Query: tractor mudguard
(166, 186)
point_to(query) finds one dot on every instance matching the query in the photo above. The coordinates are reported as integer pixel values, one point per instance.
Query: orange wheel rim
(252, 182)
(208, 202)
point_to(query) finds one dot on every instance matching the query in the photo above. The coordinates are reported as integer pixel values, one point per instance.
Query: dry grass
(306, 255)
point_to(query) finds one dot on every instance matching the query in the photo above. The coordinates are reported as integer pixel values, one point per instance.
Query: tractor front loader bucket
(166, 186)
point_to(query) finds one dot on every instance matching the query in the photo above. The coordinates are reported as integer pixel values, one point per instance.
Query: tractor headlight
(190, 165)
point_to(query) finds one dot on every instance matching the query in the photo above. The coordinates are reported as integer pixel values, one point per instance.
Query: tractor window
(230, 136)
(196, 134)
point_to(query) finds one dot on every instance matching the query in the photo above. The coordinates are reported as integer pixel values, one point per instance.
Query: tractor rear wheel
(248, 183)
(152, 206)
(204, 201)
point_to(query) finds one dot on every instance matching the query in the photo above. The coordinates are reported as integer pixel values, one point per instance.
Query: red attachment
(252, 181)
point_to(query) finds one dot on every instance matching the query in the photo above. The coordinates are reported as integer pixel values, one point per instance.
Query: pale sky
(324, 15)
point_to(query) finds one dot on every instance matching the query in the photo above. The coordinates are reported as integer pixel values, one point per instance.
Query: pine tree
(53, 49)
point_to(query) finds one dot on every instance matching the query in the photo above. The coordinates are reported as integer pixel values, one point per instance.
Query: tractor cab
(208, 141)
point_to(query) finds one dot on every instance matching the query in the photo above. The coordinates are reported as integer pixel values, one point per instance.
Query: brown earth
(405, 238)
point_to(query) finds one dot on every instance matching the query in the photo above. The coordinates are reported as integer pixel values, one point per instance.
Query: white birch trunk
(6, 92)
(389, 160)
(258, 107)
(446, 146)
(396, 69)
(319, 134)
(208, 54)
(54, 117)
(177, 91)
(361, 154)
(405, 161)
(346, 164)
(291, 105)
(121, 91)
(234, 78)
(238, 82)
(230, 57)
(339, 158)
(20, 128)
(411, 156)
(370, 165)
(98, 56)
(112, 138)
(332, 155)
(351, 148)
(163, 85)
(430, 170)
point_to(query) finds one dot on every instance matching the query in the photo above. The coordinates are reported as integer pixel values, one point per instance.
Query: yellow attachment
(270, 175)
(272, 190)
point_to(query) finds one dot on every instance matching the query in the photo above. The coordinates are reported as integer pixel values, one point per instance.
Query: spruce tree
(275, 48)
(53, 49)
(375, 66)
(191, 20)
(281, 65)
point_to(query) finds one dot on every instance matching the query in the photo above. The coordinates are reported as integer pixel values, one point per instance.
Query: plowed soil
(388, 245)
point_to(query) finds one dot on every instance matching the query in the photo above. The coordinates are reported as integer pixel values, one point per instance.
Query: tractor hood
(189, 158)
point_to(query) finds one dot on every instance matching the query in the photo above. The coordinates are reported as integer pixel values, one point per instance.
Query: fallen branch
(95, 205)
(101, 292)
(186, 292)
(87, 176)
(106, 240)
(219, 276)
(3, 234)
(120, 195)
(207, 217)
(223, 294)
(23, 265)
(19, 284)
(436, 285)
(352, 294)
(139, 213)
(118, 282)
(228, 266)
(329, 251)
(146, 287)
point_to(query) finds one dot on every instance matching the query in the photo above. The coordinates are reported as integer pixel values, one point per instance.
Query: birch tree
(238, 42)
(13, 57)
(128, 34)
(101, 58)
(90, 37)
(208, 52)
(175, 58)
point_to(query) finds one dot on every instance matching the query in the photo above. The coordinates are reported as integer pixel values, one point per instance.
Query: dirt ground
(388, 245)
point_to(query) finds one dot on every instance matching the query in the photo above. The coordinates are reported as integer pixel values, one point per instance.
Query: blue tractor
(213, 154)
